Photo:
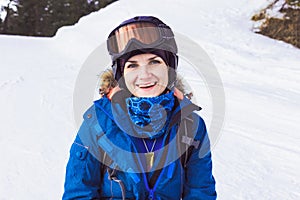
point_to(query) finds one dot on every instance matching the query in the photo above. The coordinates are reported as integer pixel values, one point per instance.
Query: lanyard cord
(146, 147)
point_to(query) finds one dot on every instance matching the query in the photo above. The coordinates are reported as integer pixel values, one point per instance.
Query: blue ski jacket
(100, 140)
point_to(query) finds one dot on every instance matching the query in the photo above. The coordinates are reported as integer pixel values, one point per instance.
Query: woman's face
(146, 75)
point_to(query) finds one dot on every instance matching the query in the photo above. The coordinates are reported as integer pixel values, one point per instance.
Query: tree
(9, 9)
(44, 17)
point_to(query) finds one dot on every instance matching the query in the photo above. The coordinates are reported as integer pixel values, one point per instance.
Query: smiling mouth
(145, 86)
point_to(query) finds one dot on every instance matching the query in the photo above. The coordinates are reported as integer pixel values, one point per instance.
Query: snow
(5, 3)
(258, 153)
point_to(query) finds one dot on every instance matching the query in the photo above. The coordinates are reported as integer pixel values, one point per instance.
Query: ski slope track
(258, 153)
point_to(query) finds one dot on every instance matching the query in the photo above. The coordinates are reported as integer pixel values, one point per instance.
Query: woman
(143, 140)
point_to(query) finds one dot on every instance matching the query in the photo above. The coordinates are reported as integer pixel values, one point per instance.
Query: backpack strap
(186, 142)
(106, 162)
(112, 177)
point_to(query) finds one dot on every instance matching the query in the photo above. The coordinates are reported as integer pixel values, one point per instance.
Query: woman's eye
(131, 66)
(154, 62)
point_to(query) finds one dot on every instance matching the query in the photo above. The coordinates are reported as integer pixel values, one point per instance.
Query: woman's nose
(144, 71)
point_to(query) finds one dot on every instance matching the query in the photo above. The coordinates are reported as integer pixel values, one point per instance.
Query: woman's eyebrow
(153, 58)
(132, 61)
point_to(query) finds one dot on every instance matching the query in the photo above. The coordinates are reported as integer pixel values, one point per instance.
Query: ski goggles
(140, 33)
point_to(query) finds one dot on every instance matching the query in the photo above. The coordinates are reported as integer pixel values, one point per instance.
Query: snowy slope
(258, 153)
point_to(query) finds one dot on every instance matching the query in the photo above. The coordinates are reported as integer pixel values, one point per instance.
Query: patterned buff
(150, 115)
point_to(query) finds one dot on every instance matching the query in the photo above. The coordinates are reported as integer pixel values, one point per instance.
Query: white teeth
(146, 85)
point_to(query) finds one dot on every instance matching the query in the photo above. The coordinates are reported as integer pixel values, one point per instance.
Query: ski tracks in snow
(8, 84)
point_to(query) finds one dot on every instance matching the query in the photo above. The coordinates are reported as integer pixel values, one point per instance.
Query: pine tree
(44, 17)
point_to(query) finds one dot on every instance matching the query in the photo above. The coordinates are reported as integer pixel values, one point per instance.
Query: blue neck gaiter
(150, 115)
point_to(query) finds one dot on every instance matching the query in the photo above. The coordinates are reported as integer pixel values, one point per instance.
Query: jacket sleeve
(199, 181)
(83, 172)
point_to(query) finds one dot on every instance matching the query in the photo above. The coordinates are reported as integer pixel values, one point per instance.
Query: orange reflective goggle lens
(144, 32)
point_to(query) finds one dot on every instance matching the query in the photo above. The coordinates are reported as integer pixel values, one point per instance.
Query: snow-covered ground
(258, 153)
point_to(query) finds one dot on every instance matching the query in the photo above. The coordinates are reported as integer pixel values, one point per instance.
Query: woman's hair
(107, 82)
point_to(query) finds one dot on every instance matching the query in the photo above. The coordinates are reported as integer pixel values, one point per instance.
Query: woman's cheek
(129, 81)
